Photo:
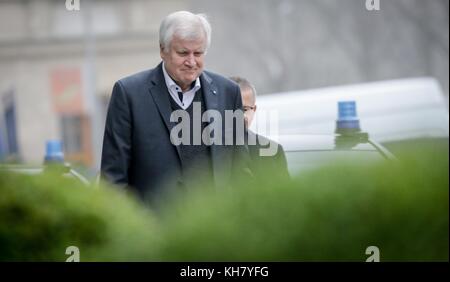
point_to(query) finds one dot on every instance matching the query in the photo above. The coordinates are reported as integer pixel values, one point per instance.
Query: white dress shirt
(174, 89)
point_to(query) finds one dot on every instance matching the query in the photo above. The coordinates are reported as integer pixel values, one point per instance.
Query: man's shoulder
(263, 141)
(219, 79)
(138, 78)
(261, 138)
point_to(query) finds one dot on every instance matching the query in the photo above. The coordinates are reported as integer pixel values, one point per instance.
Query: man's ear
(161, 50)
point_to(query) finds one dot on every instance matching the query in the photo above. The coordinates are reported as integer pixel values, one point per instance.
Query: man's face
(248, 101)
(184, 60)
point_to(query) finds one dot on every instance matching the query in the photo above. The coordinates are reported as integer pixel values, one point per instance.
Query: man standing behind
(261, 165)
(137, 148)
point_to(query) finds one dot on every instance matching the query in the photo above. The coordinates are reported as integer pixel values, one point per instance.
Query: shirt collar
(174, 86)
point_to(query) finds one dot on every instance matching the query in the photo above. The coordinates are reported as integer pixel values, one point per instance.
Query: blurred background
(57, 67)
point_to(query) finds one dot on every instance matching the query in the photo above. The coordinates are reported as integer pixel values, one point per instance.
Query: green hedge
(332, 214)
(43, 215)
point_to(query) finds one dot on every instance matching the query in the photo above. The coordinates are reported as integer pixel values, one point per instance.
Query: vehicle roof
(389, 110)
(322, 142)
(27, 169)
(34, 170)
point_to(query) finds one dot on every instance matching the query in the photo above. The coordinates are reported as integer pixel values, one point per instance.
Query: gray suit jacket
(137, 151)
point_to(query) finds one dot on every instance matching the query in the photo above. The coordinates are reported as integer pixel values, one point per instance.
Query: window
(76, 137)
(9, 143)
(72, 134)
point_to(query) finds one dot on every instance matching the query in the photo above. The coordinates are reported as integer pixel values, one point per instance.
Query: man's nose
(190, 60)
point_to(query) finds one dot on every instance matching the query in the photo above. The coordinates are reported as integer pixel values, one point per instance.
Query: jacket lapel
(160, 95)
(210, 92)
(221, 160)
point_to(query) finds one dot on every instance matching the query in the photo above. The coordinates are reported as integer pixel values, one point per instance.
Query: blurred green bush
(40, 216)
(330, 214)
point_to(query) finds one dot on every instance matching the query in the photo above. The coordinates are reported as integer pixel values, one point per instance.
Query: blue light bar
(54, 152)
(347, 118)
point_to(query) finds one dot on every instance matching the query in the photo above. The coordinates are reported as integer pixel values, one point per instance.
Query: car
(310, 151)
(66, 171)
(348, 143)
(54, 158)
(390, 111)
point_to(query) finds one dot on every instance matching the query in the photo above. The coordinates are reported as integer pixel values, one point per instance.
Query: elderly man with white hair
(138, 149)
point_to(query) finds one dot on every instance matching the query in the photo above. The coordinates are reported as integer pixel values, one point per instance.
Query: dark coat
(267, 167)
(137, 151)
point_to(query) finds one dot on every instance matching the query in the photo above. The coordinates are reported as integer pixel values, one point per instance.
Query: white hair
(185, 25)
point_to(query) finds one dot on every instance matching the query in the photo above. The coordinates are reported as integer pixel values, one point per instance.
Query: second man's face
(184, 60)
(248, 102)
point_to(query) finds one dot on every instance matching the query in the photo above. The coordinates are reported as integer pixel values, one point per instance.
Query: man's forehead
(189, 40)
(189, 48)
(247, 93)
(246, 90)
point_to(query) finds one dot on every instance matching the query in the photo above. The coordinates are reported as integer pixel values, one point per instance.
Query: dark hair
(244, 83)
